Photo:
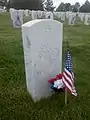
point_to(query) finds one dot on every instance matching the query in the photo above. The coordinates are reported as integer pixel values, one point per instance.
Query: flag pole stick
(66, 87)
(65, 96)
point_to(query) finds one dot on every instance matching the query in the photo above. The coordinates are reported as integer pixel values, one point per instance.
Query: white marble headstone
(67, 14)
(57, 14)
(42, 43)
(21, 15)
(49, 15)
(11, 10)
(62, 16)
(82, 15)
(87, 20)
(34, 15)
(39, 15)
(43, 14)
(17, 17)
(26, 12)
(71, 19)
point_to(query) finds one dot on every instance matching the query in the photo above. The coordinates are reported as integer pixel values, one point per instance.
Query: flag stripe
(67, 79)
(67, 85)
(68, 73)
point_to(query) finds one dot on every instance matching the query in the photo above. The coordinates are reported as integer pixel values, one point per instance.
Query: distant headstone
(17, 18)
(71, 19)
(67, 14)
(11, 10)
(39, 15)
(42, 43)
(82, 15)
(62, 16)
(57, 14)
(26, 12)
(49, 15)
(21, 14)
(43, 14)
(30, 13)
(27, 15)
(34, 15)
(87, 20)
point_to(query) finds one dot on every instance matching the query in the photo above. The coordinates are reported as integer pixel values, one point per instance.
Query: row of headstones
(17, 16)
(2, 10)
(72, 17)
(85, 17)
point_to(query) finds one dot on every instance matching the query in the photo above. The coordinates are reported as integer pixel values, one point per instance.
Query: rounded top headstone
(30, 23)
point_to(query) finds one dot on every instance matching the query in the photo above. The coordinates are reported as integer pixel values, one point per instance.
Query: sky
(57, 2)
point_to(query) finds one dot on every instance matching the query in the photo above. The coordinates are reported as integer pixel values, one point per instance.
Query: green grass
(16, 103)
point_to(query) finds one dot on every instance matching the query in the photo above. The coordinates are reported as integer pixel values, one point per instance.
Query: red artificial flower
(59, 76)
(52, 80)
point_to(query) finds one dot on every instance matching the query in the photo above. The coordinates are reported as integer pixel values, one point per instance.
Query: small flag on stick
(68, 76)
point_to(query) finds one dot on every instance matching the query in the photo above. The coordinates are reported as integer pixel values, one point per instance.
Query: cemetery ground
(15, 101)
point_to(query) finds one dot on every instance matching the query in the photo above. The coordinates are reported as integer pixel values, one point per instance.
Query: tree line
(29, 4)
(74, 8)
(45, 5)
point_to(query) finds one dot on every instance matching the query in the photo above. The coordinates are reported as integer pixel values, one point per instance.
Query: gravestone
(49, 15)
(30, 13)
(42, 43)
(26, 12)
(34, 15)
(16, 17)
(11, 10)
(39, 14)
(71, 19)
(27, 15)
(43, 14)
(21, 15)
(57, 14)
(62, 16)
(87, 20)
(67, 14)
(82, 15)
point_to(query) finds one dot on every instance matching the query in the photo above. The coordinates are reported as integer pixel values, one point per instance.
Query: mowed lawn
(15, 101)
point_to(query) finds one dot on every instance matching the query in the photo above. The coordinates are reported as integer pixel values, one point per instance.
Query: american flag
(68, 75)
